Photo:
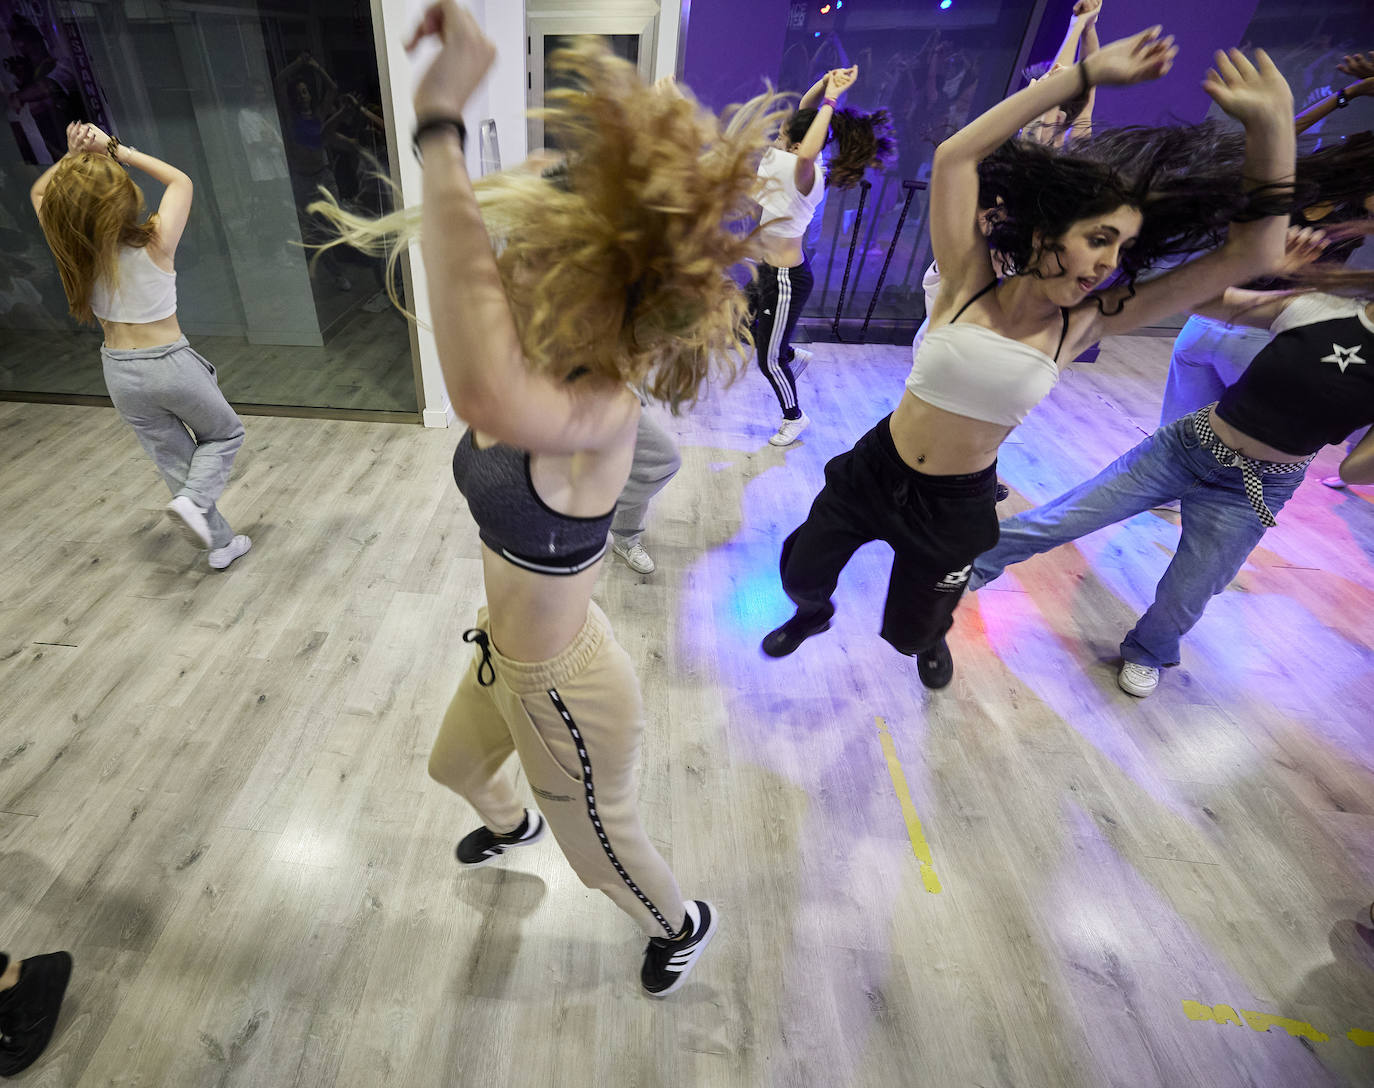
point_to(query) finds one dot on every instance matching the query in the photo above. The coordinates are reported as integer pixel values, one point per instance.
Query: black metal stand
(864, 186)
(910, 187)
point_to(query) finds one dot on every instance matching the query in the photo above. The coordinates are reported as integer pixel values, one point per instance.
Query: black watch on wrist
(432, 124)
(1341, 100)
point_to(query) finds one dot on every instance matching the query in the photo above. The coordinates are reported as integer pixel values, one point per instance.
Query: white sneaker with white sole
(635, 557)
(1137, 679)
(801, 359)
(789, 430)
(190, 520)
(222, 557)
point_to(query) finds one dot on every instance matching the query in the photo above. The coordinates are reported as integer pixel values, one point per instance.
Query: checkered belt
(1250, 469)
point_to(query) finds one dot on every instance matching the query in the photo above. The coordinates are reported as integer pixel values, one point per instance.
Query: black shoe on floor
(935, 666)
(483, 846)
(28, 1011)
(668, 963)
(1002, 492)
(781, 641)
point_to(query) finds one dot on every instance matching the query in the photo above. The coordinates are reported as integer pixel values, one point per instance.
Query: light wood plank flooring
(212, 786)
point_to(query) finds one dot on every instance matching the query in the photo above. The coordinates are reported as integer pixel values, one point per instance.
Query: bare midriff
(940, 443)
(125, 336)
(535, 617)
(782, 252)
(1243, 444)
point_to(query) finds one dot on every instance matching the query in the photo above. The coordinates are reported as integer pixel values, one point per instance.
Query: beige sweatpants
(576, 722)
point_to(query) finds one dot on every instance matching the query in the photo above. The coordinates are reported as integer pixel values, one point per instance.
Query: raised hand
(840, 80)
(1086, 11)
(465, 57)
(1358, 65)
(1140, 57)
(1302, 246)
(1250, 92)
(76, 137)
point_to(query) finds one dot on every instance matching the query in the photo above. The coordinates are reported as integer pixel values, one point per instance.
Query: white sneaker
(801, 359)
(790, 430)
(222, 557)
(1138, 680)
(190, 520)
(636, 557)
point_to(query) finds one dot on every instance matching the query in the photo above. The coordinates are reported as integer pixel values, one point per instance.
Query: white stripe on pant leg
(780, 310)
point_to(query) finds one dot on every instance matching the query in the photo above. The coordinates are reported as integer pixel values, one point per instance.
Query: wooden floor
(213, 788)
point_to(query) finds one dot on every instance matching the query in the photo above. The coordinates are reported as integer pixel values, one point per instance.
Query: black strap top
(1313, 384)
(1063, 312)
(514, 521)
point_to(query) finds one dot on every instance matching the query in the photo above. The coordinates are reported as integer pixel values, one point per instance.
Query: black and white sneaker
(483, 846)
(28, 1011)
(667, 963)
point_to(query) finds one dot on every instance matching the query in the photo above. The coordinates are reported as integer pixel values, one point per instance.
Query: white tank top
(972, 371)
(786, 212)
(146, 293)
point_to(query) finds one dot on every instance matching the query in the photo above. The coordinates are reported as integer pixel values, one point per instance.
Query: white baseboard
(439, 417)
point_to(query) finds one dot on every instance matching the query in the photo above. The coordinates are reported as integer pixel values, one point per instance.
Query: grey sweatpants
(656, 462)
(169, 396)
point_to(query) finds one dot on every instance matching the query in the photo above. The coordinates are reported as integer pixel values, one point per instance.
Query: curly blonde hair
(618, 265)
(90, 208)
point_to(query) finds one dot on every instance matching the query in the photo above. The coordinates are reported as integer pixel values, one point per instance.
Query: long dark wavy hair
(863, 141)
(1186, 181)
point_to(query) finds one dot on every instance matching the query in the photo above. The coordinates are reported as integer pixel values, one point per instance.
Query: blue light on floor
(945, 5)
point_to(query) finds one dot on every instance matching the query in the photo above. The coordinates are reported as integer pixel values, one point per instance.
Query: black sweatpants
(936, 525)
(776, 299)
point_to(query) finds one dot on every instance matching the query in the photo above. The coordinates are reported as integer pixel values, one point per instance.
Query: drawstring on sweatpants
(486, 672)
(906, 495)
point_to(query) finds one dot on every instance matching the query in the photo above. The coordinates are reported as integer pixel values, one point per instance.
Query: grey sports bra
(971, 370)
(514, 521)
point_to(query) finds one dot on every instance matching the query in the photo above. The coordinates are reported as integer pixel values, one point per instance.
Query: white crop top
(145, 293)
(786, 212)
(972, 371)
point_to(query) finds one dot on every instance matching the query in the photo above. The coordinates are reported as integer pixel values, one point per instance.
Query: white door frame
(639, 17)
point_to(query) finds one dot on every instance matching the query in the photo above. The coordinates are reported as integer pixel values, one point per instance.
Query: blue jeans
(1219, 529)
(1208, 356)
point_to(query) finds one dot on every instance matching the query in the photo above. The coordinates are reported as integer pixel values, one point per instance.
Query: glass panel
(1306, 45)
(262, 110)
(933, 69)
(933, 65)
(625, 46)
(1306, 42)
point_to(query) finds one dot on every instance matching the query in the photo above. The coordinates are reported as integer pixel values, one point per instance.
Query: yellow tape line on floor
(919, 846)
(1263, 1021)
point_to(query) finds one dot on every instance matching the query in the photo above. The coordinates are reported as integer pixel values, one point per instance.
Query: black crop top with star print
(1313, 384)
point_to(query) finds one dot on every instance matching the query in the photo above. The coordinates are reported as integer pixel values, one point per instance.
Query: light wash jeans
(1208, 356)
(170, 397)
(1219, 529)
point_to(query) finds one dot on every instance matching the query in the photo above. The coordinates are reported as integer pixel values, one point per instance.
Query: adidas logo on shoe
(483, 846)
(667, 963)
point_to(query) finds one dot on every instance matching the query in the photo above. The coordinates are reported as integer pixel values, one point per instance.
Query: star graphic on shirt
(1343, 357)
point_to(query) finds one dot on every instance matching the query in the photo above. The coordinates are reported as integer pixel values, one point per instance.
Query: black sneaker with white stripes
(667, 963)
(483, 846)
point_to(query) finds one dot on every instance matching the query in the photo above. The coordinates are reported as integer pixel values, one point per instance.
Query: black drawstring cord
(486, 672)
